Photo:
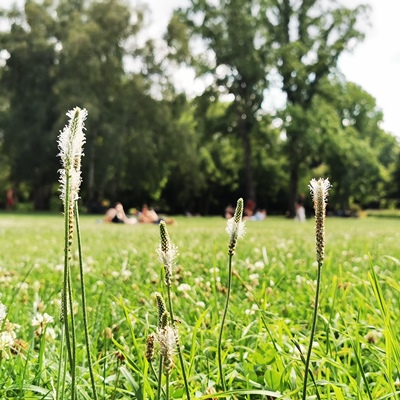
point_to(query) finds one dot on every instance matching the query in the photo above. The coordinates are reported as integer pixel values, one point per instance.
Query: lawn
(355, 354)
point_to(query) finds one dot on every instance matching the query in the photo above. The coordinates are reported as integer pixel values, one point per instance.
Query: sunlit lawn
(270, 310)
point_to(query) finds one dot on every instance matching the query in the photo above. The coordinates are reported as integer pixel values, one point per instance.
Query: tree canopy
(149, 143)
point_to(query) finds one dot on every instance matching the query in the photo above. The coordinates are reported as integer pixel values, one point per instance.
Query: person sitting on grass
(148, 216)
(117, 215)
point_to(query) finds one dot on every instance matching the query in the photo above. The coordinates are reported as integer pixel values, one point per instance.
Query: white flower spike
(70, 144)
(319, 192)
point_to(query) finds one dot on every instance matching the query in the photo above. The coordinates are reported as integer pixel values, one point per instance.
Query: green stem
(73, 339)
(41, 356)
(221, 372)
(65, 291)
(156, 376)
(60, 364)
(314, 324)
(178, 347)
(160, 378)
(167, 386)
(116, 382)
(84, 308)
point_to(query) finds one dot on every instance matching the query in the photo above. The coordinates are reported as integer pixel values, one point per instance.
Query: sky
(374, 64)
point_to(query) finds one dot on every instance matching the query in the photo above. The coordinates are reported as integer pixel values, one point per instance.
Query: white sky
(374, 64)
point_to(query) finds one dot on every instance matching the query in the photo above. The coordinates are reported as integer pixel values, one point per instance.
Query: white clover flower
(6, 340)
(201, 304)
(10, 327)
(42, 319)
(50, 334)
(259, 265)
(252, 310)
(3, 312)
(184, 287)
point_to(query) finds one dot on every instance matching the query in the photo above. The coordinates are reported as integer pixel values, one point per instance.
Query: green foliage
(147, 143)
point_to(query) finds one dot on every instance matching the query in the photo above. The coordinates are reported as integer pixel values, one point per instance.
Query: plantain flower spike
(167, 253)
(235, 227)
(149, 354)
(319, 192)
(70, 145)
(166, 338)
(162, 309)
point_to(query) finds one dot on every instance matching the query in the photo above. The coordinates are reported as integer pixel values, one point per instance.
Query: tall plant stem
(314, 324)
(160, 370)
(228, 294)
(178, 347)
(61, 364)
(73, 338)
(66, 287)
(167, 386)
(84, 308)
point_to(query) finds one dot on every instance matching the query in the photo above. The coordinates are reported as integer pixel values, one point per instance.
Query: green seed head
(149, 354)
(162, 309)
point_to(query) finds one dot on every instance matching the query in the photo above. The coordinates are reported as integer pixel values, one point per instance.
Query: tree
(62, 54)
(308, 37)
(237, 51)
(361, 156)
(93, 39)
(27, 124)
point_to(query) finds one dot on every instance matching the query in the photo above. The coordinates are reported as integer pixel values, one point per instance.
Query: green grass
(356, 351)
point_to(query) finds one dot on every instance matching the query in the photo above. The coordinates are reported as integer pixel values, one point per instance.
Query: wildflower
(70, 144)
(3, 312)
(372, 337)
(41, 321)
(167, 253)
(108, 333)
(235, 227)
(150, 347)
(253, 310)
(166, 338)
(6, 341)
(50, 334)
(162, 311)
(319, 191)
(210, 390)
(184, 287)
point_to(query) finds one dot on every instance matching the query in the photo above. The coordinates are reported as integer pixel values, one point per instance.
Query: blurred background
(193, 104)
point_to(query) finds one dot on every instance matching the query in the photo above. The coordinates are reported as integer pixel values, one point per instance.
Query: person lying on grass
(117, 215)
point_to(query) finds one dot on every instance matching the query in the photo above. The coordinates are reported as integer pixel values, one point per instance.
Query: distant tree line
(148, 143)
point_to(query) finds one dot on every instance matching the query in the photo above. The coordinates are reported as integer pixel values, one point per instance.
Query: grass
(356, 349)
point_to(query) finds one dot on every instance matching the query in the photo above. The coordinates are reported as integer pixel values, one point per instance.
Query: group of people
(117, 215)
(250, 212)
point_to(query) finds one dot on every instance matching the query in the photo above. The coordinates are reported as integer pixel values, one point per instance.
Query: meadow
(355, 351)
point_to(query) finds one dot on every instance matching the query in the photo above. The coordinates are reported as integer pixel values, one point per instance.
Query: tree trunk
(248, 168)
(293, 186)
(41, 198)
(91, 169)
